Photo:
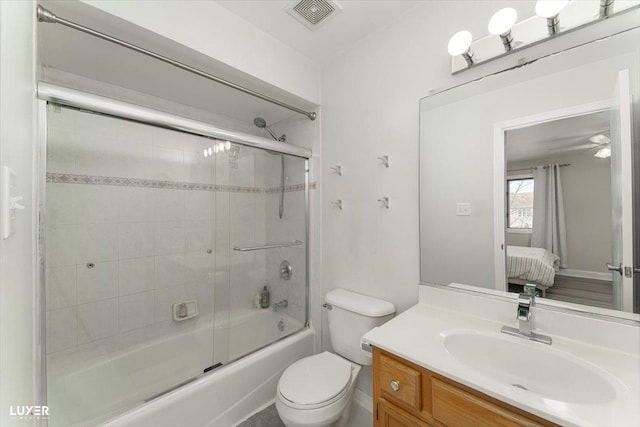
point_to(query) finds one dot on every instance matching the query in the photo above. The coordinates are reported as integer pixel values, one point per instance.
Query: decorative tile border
(65, 178)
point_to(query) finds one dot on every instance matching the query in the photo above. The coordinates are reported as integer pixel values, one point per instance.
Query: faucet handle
(523, 312)
(525, 301)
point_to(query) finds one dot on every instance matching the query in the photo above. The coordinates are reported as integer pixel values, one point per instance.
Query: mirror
(526, 177)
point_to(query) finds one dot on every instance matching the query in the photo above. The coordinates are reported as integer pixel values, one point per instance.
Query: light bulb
(604, 152)
(210, 151)
(550, 8)
(227, 145)
(206, 153)
(459, 43)
(502, 21)
(599, 139)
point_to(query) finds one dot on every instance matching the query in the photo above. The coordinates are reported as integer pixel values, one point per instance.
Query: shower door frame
(49, 93)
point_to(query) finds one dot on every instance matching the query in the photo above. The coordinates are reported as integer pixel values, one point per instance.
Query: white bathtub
(108, 385)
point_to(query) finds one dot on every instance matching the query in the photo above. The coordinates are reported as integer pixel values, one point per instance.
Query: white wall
(18, 329)
(216, 32)
(370, 107)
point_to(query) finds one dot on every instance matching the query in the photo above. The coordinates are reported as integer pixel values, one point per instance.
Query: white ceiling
(558, 137)
(356, 20)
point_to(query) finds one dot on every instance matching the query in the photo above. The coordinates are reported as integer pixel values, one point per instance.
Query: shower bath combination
(262, 124)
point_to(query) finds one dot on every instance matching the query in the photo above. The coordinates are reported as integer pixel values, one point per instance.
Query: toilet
(316, 391)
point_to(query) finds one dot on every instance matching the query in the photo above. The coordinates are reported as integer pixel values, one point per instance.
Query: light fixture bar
(468, 56)
(606, 7)
(532, 31)
(507, 40)
(553, 24)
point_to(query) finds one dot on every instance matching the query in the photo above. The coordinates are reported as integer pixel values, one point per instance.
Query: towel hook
(337, 169)
(384, 201)
(385, 160)
(338, 204)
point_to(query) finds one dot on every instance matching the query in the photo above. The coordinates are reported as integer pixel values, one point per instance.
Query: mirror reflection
(526, 177)
(559, 219)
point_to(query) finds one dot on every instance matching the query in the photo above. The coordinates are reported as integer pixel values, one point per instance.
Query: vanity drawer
(400, 383)
(454, 407)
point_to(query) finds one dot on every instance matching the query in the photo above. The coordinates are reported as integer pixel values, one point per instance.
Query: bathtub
(86, 393)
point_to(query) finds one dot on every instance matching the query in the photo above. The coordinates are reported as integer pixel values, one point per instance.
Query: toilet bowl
(317, 391)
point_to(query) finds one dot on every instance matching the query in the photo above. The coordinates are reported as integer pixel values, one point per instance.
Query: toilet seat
(315, 381)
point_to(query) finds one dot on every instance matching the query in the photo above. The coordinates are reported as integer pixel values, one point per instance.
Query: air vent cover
(313, 13)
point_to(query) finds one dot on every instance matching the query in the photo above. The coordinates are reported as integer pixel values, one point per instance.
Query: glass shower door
(261, 255)
(130, 263)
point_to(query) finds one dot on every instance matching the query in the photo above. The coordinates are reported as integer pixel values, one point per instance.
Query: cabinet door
(392, 416)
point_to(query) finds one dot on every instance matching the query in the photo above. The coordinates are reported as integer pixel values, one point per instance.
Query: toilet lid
(315, 379)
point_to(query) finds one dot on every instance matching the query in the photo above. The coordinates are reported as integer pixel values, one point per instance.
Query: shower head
(262, 124)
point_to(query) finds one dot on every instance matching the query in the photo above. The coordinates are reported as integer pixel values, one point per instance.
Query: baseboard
(584, 274)
(363, 399)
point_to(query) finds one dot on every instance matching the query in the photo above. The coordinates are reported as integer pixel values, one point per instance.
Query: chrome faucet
(525, 301)
(282, 304)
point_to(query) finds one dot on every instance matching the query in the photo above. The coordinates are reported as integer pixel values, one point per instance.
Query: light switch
(11, 203)
(463, 209)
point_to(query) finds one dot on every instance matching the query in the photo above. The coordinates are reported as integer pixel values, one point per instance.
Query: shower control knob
(285, 270)
(395, 385)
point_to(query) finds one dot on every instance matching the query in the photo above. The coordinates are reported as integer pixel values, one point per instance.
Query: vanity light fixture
(500, 25)
(460, 44)
(606, 6)
(550, 9)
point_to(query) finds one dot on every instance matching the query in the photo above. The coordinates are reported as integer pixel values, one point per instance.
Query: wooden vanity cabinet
(407, 395)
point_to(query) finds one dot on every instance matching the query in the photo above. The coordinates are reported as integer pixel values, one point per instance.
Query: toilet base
(336, 414)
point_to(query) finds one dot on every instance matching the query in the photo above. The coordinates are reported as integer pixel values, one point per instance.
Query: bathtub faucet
(281, 304)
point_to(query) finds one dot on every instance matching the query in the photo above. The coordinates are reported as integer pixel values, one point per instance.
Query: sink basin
(531, 367)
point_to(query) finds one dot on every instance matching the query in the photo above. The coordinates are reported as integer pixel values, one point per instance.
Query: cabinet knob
(395, 385)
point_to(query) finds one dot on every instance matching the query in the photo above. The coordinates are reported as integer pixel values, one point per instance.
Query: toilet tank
(352, 315)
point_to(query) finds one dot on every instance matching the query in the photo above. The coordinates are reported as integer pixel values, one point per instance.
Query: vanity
(444, 362)
(406, 394)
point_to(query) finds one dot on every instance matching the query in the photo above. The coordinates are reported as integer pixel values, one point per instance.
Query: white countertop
(417, 335)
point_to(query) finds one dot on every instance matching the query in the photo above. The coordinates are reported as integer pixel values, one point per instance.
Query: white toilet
(316, 391)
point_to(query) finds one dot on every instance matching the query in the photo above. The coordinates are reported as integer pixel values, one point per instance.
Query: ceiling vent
(313, 13)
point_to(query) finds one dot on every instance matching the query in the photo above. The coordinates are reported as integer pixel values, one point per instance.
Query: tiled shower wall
(290, 227)
(118, 256)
